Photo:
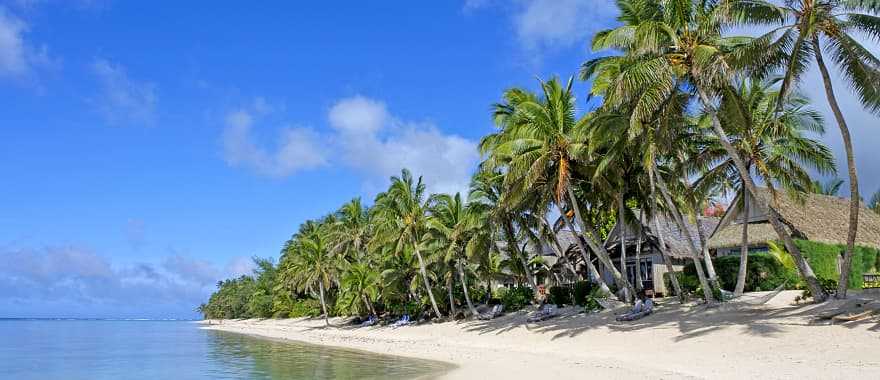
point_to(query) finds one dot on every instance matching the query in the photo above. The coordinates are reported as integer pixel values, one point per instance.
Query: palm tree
(806, 29)
(830, 187)
(449, 230)
(499, 220)
(352, 230)
(541, 145)
(401, 214)
(312, 263)
(359, 284)
(772, 141)
(874, 204)
(677, 44)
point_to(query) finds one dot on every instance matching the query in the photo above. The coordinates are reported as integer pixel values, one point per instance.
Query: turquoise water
(98, 349)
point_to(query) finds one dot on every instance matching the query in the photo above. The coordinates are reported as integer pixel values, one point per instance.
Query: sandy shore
(739, 339)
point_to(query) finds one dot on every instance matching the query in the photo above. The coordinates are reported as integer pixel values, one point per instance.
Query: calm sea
(101, 349)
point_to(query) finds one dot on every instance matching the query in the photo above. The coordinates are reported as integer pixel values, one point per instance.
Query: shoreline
(736, 340)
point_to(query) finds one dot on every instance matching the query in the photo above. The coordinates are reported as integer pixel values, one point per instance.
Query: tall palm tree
(486, 199)
(352, 230)
(808, 29)
(677, 44)
(313, 264)
(401, 214)
(449, 230)
(773, 143)
(542, 144)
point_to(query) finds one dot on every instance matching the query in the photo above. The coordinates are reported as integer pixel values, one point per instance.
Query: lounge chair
(637, 313)
(403, 321)
(546, 312)
(370, 321)
(496, 311)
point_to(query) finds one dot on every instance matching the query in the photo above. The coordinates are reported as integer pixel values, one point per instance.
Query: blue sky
(147, 152)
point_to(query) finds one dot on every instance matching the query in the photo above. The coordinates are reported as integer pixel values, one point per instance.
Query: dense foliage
(766, 272)
(686, 114)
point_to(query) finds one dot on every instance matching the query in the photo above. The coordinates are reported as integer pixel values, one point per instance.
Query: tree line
(689, 114)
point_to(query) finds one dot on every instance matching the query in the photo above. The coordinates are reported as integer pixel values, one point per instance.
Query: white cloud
(297, 148)
(545, 24)
(379, 145)
(18, 58)
(122, 100)
(358, 115)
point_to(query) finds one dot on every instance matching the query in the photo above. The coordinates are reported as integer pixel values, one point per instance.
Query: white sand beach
(741, 339)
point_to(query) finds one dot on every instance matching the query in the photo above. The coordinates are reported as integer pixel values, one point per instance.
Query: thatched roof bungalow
(814, 217)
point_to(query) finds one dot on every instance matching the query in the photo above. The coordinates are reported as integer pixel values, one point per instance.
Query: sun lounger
(547, 312)
(403, 321)
(634, 316)
(370, 321)
(491, 314)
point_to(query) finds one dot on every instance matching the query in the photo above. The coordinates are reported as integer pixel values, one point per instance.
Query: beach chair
(370, 321)
(491, 314)
(403, 321)
(546, 312)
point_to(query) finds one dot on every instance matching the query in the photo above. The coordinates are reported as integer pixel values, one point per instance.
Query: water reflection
(240, 356)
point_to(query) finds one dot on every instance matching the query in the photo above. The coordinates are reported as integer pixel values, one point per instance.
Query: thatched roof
(676, 242)
(815, 217)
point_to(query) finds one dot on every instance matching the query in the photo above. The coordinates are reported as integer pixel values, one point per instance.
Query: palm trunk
(594, 274)
(704, 247)
(601, 253)
(464, 288)
(679, 221)
(639, 285)
(514, 250)
(323, 304)
(452, 310)
(622, 234)
(369, 304)
(557, 247)
(676, 286)
(744, 248)
(843, 282)
(707, 258)
(803, 266)
(427, 281)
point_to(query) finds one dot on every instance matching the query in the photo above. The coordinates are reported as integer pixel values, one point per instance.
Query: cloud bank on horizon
(71, 281)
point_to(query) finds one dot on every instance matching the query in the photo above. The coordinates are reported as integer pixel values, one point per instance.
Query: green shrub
(582, 290)
(307, 307)
(559, 295)
(829, 285)
(591, 301)
(823, 259)
(763, 273)
(515, 298)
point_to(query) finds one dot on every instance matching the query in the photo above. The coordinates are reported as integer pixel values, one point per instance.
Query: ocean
(137, 349)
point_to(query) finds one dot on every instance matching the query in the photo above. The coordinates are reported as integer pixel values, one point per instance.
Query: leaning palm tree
(485, 198)
(678, 44)
(401, 216)
(313, 264)
(772, 142)
(809, 29)
(541, 145)
(449, 230)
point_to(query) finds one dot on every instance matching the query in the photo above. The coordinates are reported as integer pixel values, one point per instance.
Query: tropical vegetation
(679, 114)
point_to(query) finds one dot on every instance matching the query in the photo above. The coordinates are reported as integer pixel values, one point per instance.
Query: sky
(148, 152)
